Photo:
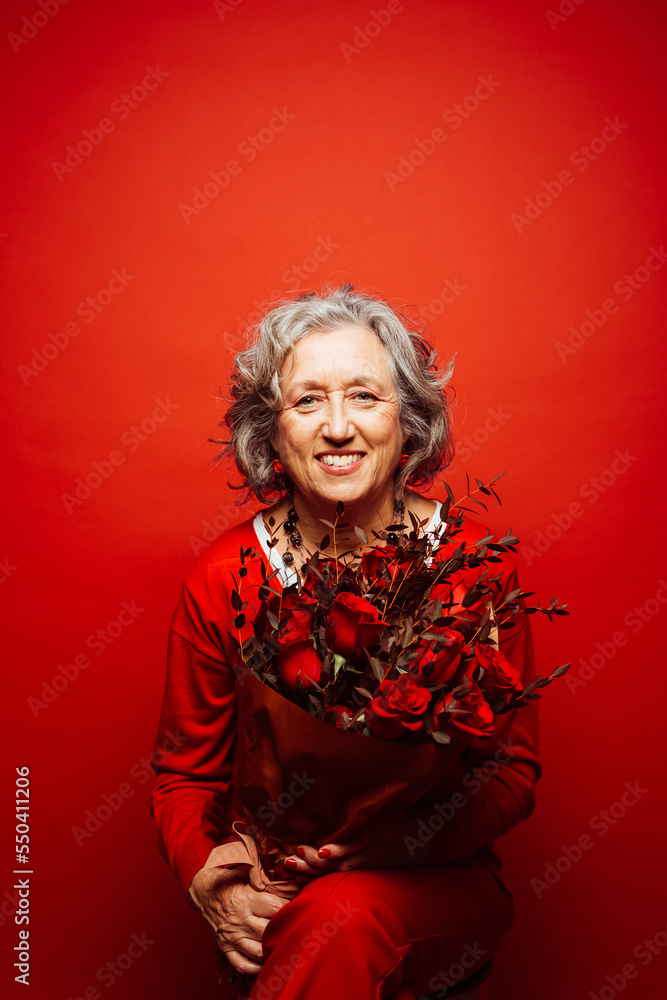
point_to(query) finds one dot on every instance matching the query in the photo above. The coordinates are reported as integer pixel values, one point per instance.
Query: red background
(170, 334)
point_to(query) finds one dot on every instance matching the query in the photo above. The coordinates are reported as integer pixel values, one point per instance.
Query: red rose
(372, 563)
(294, 623)
(298, 608)
(381, 557)
(335, 714)
(398, 705)
(500, 677)
(470, 714)
(298, 661)
(437, 661)
(294, 612)
(353, 623)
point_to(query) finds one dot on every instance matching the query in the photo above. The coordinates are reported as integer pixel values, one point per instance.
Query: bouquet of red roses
(400, 642)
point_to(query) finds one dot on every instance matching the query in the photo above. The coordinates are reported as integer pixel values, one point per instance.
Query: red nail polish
(324, 852)
(300, 852)
(290, 862)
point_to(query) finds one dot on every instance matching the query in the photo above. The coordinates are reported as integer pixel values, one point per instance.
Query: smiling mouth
(337, 461)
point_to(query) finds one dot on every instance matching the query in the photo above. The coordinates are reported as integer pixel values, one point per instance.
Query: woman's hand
(384, 843)
(237, 913)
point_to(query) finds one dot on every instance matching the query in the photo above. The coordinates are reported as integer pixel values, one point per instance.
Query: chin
(349, 494)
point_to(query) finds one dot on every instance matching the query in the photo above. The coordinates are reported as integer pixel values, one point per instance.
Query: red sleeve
(195, 739)
(492, 787)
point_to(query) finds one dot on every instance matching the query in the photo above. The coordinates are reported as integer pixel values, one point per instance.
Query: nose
(337, 425)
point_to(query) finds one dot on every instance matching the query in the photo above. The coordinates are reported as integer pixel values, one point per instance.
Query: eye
(306, 401)
(364, 396)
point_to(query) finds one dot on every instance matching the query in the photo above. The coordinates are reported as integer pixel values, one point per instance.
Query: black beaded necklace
(399, 514)
(294, 535)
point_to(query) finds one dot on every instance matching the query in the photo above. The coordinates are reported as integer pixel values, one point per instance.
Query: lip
(346, 470)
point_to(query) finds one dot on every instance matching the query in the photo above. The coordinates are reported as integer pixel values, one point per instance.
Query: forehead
(344, 353)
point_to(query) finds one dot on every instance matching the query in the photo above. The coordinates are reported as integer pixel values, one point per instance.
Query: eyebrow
(316, 384)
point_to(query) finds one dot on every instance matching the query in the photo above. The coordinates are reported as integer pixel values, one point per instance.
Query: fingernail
(324, 852)
(300, 852)
(290, 862)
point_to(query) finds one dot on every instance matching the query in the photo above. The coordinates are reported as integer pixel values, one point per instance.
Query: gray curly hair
(256, 395)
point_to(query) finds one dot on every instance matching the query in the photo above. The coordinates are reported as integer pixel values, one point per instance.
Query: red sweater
(193, 801)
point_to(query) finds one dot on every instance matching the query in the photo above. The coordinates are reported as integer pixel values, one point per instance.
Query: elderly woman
(337, 400)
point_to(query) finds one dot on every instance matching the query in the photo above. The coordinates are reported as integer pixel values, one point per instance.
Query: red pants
(384, 934)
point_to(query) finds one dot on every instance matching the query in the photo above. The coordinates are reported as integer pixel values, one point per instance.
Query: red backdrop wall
(169, 168)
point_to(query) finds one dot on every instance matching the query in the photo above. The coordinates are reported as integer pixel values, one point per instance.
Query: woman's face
(339, 436)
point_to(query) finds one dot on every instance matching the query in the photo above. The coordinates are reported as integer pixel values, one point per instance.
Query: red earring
(278, 467)
(403, 460)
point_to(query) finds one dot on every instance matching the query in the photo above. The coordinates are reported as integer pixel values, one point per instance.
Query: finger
(351, 862)
(297, 866)
(244, 945)
(312, 857)
(255, 927)
(343, 863)
(332, 851)
(251, 948)
(242, 963)
(312, 861)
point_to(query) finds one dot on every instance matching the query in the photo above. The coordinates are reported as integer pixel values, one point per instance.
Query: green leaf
(273, 619)
(361, 690)
(471, 597)
(338, 663)
(441, 737)
(377, 668)
(361, 535)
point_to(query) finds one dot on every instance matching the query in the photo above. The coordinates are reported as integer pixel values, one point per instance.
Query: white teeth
(340, 461)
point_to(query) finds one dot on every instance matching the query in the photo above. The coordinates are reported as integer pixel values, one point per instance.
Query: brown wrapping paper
(300, 780)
